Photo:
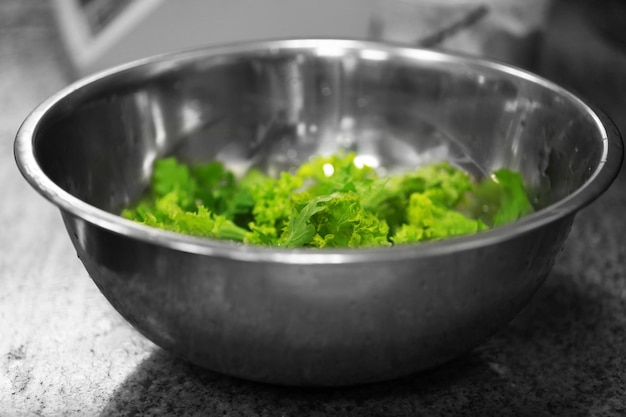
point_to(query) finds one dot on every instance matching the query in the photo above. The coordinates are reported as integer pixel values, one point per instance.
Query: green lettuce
(327, 202)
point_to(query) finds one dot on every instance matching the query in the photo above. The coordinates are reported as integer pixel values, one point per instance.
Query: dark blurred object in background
(506, 30)
(609, 18)
(585, 50)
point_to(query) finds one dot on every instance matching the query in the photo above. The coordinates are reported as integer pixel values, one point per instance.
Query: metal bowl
(315, 317)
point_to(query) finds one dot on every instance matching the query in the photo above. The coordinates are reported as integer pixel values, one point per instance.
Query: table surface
(65, 351)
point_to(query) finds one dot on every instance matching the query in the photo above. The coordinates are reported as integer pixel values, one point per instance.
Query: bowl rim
(598, 182)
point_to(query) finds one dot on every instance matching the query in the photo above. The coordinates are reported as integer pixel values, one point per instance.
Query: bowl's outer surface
(315, 317)
(333, 324)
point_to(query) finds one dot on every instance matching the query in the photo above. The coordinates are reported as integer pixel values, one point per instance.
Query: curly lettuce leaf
(166, 213)
(170, 176)
(345, 223)
(429, 219)
(272, 200)
(299, 231)
(325, 175)
(499, 200)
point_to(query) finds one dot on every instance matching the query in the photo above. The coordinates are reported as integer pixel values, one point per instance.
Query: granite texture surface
(65, 352)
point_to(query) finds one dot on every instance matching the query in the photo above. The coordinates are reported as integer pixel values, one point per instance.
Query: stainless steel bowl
(315, 317)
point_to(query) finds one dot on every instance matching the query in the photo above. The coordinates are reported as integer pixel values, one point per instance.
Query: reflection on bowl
(315, 317)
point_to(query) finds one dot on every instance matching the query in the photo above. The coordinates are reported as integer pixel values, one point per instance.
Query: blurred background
(577, 43)
(64, 351)
(101, 33)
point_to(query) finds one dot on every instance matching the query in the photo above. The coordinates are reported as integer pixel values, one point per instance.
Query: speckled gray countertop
(65, 351)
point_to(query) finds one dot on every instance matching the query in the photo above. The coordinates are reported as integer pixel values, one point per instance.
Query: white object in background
(90, 28)
(148, 27)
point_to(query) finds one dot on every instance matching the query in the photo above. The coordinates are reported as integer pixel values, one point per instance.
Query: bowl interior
(275, 105)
